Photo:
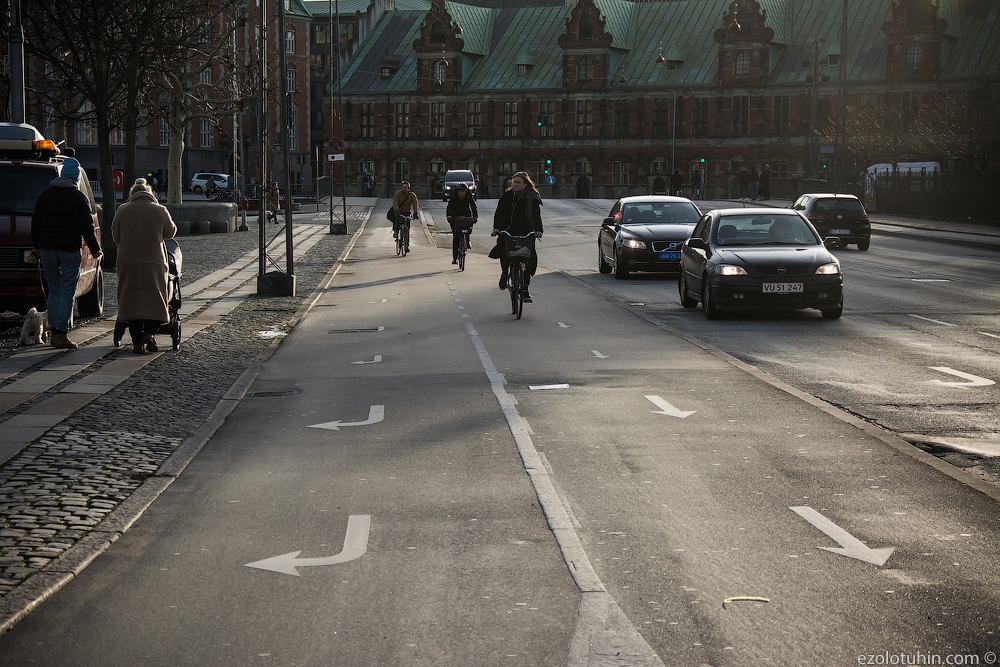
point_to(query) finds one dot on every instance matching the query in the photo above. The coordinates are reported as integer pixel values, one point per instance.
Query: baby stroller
(173, 327)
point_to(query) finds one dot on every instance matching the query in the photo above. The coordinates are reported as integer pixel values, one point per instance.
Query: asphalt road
(585, 486)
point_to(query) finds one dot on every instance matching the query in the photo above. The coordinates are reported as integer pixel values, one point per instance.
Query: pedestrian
(462, 205)
(744, 179)
(696, 184)
(273, 202)
(139, 229)
(765, 182)
(676, 180)
(753, 183)
(61, 221)
(795, 187)
(404, 202)
(519, 213)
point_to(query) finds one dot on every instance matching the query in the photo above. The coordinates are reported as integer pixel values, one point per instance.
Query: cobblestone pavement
(60, 488)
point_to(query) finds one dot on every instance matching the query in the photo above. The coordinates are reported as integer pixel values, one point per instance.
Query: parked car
(645, 233)
(759, 258)
(199, 180)
(842, 216)
(453, 177)
(28, 163)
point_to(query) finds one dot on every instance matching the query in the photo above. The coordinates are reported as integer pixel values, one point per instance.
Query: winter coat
(139, 229)
(62, 218)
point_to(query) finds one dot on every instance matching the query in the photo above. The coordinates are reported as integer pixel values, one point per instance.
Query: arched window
(437, 33)
(586, 27)
(742, 64)
(915, 13)
(914, 58)
(586, 70)
(440, 69)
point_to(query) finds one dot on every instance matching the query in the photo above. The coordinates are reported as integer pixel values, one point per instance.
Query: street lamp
(335, 72)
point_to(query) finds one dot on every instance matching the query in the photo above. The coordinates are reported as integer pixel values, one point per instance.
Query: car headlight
(830, 269)
(634, 243)
(730, 270)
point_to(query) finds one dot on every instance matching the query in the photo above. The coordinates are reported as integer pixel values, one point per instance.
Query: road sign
(337, 144)
(826, 149)
(551, 180)
(334, 157)
(119, 177)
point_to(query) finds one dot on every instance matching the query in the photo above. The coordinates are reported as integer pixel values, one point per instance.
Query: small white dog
(36, 328)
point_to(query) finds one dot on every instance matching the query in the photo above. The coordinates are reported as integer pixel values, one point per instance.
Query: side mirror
(608, 222)
(697, 243)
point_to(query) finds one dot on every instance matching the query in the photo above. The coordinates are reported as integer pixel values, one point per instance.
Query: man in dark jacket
(61, 221)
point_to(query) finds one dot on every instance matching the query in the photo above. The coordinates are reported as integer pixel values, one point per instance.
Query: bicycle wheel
(520, 271)
(512, 278)
(462, 249)
(399, 241)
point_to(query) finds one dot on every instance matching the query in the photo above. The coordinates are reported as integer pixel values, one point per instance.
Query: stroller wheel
(175, 334)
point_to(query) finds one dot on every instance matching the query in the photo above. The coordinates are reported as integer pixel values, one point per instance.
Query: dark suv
(453, 177)
(842, 216)
(28, 163)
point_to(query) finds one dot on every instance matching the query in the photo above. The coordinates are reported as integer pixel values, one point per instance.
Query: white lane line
(599, 612)
(986, 333)
(972, 380)
(921, 317)
(543, 387)
(563, 326)
(599, 355)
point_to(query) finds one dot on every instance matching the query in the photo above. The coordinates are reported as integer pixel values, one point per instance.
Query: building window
(619, 172)
(661, 118)
(621, 118)
(437, 119)
(741, 115)
(510, 119)
(164, 133)
(909, 107)
(582, 166)
(699, 116)
(86, 128)
(205, 137)
(386, 72)
(546, 116)
(833, 59)
(781, 111)
(914, 56)
(658, 166)
(436, 166)
(290, 80)
(401, 121)
(205, 74)
(366, 111)
(367, 165)
(779, 168)
(117, 137)
(586, 69)
(586, 27)
(508, 167)
(440, 70)
(473, 119)
(742, 64)
(522, 69)
(400, 170)
(915, 13)
(437, 33)
(289, 41)
(584, 118)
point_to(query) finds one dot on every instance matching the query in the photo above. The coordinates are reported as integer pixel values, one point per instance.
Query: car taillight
(815, 216)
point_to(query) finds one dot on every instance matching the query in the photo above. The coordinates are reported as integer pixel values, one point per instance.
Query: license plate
(840, 231)
(669, 256)
(782, 288)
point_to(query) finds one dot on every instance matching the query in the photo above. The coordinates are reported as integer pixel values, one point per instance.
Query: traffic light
(702, 160)
(539, 121)
(548, 166)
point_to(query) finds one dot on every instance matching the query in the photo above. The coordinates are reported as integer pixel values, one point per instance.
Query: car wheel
(602, 265)
(712, 311)
(197, 189)
(91, 304)
(682, 288)
(863, 245)
(620, 271)
(832, 313)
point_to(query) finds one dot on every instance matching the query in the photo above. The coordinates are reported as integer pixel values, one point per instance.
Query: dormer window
(742, 64)
(437, 33)
(387, 72)
(915, 13)
(586, 69)
(586, 27)
(833, 60)
(914, 58)
(744, 18)
(440, 67)
(522, 70)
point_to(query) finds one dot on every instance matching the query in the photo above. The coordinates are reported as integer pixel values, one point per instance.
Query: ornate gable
(914, 41)
(439, 52)
(586, 47)
(744, 42)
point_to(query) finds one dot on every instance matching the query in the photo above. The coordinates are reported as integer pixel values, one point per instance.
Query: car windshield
(644, 213)
(827, 206)
(20, 187)
(755, 230)
(459, 176)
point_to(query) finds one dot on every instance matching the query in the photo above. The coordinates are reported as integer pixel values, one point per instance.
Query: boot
(61, 340)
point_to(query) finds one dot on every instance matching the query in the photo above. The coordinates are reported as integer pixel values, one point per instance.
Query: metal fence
(934, 194)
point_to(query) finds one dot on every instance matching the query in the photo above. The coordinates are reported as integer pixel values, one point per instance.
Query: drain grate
(272, 394)
(369, 330)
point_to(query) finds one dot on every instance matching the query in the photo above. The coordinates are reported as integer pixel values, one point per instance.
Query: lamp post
(335, 72)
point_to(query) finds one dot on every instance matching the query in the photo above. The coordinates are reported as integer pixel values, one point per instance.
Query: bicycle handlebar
(529, 235)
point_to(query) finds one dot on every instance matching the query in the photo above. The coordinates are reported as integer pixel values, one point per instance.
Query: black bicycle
(403, 236)
(518, 256)
(463, 227)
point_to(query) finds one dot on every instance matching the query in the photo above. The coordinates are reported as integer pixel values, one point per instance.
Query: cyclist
(403, 202)
(518, 213)
(462, 205)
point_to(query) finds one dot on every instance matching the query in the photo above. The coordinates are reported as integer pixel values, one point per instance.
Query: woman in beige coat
(139, 229)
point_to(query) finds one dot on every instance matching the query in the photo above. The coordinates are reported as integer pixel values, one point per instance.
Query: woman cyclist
(518, 213)
(462, 205)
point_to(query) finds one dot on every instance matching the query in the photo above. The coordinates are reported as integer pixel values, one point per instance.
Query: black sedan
(645, 233)
(759, 258)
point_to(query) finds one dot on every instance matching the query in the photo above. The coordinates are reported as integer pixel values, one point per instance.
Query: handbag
(496, 251)
(390, 215)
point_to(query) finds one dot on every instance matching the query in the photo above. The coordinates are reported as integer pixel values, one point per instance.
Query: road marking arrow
(355, 546)
(667, 408)
(973, 380)
(563, 326)
(599, 355)
(850, 546)
(377, 359)
(375, 414)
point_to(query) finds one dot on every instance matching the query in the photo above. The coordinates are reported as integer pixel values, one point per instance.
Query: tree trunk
(108, 198)
(175, 179)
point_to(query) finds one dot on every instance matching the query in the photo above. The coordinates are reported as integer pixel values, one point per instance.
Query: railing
(970, 195)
